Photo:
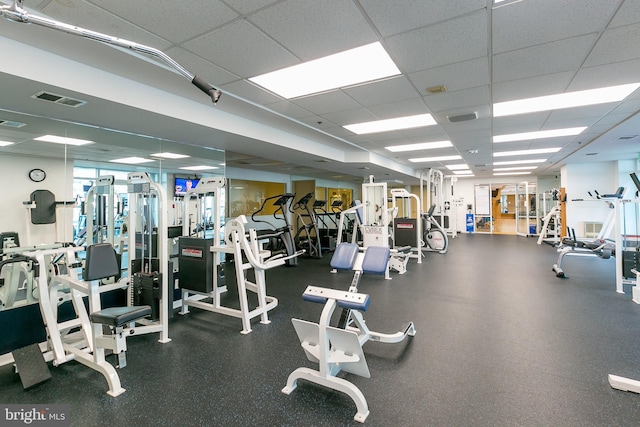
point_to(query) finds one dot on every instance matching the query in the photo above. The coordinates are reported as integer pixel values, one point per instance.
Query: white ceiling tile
(531, 87)
(198, 66)
(399, 108)
(249, 6)
(606, 75)
(581, 112)
(458, 76)
(459, 100)
(313, 29)
(629, 13)
(80, 13)
(241, 49)
(619, 44)
(393, 17)
(441, 44)
(380, 92)
(335, 100)
(549, 58)
(529, 23)
(171, 19)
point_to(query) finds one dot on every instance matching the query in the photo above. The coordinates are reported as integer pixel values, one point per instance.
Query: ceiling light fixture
(458, 166)
(518, 162)
(132, 160)
(525, 136)
(527, 152)
(462, 172)
(564, 100)
(63, 140)
(398, 123)
(354, 66)
(514, 168)
(435, 159)
(199, 168)
(419, 146)
(511, 173)
(167, 155)
(5, 143)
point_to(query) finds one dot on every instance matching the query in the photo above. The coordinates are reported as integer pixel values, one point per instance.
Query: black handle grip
(207, 88)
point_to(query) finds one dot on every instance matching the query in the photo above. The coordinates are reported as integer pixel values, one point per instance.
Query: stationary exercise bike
(434, 236)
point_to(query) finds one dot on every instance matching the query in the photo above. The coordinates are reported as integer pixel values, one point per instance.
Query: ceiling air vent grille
(11, 124)
(59, 99)
(462, 117)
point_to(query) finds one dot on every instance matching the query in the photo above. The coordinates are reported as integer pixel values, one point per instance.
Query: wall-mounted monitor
(182, 185)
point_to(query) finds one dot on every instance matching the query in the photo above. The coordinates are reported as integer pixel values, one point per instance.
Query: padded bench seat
(120, 316)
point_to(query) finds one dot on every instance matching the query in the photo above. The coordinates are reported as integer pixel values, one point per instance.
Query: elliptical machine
(307, 235)
(280, 238)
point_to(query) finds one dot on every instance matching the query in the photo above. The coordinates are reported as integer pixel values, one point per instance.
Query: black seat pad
(119, 316)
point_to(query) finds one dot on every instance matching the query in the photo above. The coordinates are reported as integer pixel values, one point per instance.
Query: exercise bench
(338, 349)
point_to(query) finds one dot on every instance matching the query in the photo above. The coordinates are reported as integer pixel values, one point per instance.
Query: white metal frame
(141, 188)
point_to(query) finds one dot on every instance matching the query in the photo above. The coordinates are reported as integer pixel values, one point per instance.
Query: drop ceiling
(481, 54)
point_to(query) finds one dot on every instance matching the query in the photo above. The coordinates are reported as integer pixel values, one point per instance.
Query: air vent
(9, 123)
(462, 117)
(58, 99)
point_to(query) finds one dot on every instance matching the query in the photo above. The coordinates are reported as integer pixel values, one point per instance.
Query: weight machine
(202, 261)
(149, 266)
(407, 231)
(81, 338)
(372, 222)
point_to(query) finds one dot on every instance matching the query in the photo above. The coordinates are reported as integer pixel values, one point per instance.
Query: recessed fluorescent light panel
(354, 66)
(63, 140)
(526, 136)
(5, 143)
(518, 162)
(515, 168)
(132, 160)
(511, 173)
(167, 155)
(526, 152)
(435, 159)
(419, 146)
(464, 172)
(199, 168)
(564, 100)
(398, 123)
(457, 167)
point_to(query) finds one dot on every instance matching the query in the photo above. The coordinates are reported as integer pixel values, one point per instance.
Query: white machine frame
(402, 193)
(142, 189)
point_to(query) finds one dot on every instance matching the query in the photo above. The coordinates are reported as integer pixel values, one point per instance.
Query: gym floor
(500, 342)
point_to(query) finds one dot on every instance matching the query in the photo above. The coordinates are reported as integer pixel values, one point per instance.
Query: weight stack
(147, 290)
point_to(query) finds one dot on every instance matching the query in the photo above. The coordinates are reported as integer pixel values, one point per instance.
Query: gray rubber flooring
(500, 342)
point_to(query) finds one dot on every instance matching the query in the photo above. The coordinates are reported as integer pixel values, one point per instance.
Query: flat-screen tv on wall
(182, 185)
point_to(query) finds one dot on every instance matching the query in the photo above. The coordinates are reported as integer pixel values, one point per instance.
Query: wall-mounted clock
(37, 175)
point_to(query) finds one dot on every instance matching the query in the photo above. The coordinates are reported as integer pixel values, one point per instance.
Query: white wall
(580, 179)
(17, 187)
